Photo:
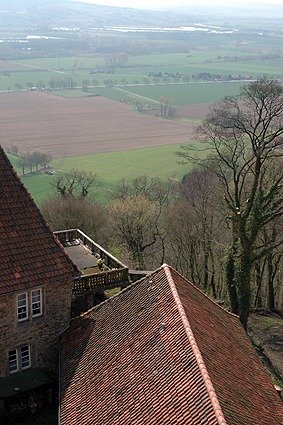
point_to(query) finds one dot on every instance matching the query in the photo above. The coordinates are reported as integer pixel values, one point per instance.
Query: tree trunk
(270, 282)
(205, 265)
(258, 298)
(212, 280)
(244, 276)
(230, 276)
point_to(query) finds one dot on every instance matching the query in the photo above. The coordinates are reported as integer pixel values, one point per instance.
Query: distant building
(241, 77)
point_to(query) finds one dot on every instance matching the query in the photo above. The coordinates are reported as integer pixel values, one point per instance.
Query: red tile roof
(30, 255)
(161, 352)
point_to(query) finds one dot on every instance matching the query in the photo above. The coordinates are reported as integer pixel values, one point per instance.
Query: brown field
(8, 65)
(36, 121)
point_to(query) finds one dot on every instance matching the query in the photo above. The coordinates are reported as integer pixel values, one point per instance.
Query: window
(36, 303)
(22, 306)
(19, 359)
(13, 361)
(32, 302)
(25, 356)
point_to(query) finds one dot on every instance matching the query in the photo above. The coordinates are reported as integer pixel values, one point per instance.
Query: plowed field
(8, 65)
(37, 121)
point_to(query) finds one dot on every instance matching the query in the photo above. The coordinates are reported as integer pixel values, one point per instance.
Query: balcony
(85, 253)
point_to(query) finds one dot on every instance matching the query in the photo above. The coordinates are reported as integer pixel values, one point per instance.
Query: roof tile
(30, 254)
(132, 360)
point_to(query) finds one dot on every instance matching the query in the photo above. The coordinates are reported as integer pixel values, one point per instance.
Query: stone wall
(41, 333)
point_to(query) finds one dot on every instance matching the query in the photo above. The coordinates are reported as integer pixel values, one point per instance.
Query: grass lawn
(111, 168)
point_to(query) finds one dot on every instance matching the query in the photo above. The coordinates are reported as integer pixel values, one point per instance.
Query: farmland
(23, 72)
(68, 129)
(71, 127)
(111, 168)
(95, 125)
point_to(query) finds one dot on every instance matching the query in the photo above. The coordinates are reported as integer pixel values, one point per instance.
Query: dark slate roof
(161, 352)
(30, 255)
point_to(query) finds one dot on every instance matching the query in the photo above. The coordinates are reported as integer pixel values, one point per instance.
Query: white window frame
(21, 358)
(36, 293)
(19, 307)
(10, 361)
(26, 356)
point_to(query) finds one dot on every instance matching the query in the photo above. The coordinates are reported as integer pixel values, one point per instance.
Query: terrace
(100, 271)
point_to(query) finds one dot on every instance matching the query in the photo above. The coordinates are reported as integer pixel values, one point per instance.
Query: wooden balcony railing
(117, 275)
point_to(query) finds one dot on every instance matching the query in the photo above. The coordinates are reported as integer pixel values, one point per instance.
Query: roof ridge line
(204, 373)
(199, 290)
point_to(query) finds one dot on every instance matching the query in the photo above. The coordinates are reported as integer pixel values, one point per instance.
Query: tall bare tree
(243, 139)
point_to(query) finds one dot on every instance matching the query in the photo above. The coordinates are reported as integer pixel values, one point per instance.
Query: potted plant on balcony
(100, 263)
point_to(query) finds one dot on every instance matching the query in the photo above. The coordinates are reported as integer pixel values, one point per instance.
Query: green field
(111, 168)
(138, 67)
(183, 94)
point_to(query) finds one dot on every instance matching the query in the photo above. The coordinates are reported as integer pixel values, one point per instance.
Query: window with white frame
(22, 306)
(36, 303)
(19, 359)
(26, 302)
(13, 361)
(25, 356)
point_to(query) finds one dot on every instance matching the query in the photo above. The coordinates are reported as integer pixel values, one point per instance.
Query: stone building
(36, 280)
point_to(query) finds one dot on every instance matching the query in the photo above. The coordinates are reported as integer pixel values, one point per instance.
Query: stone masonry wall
(41, 333)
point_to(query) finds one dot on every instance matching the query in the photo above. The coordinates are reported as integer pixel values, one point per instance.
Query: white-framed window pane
(22, 307)
(25, 357)
(13, 361)
(36, 302)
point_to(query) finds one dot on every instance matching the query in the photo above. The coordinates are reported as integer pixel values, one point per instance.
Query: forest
(220, 227)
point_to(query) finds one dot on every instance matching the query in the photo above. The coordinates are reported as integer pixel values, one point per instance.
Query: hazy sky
(155, 4)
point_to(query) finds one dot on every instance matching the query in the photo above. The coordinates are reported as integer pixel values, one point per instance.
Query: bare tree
(138, 216)
(139, 105)
(45, 160)
(36, 157)
(22, 162)
(134, 220)
(75, 182)
(30, 161)
(196, 231)
(81, 213)
(243, 138)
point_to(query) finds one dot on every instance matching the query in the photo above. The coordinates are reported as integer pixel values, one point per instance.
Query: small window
(13, 361)
(36, 303)
(25, 357)
(22, 307)
(19, 359)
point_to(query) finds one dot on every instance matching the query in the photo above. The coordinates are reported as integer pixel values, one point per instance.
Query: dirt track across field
(37, 121)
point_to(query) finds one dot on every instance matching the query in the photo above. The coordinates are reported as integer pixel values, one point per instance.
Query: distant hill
(46, 14)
